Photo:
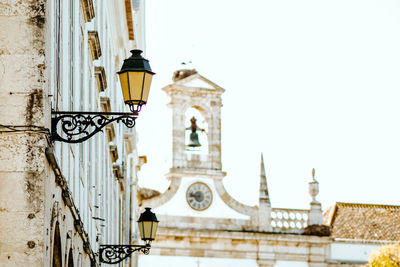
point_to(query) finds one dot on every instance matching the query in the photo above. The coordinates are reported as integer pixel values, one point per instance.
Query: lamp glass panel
(123, 77)
(154, 230)
(147, 225)
(135, 85)
(146, 88)
(141, 230)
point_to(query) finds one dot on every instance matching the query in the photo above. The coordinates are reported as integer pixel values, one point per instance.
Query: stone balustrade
(289, 220)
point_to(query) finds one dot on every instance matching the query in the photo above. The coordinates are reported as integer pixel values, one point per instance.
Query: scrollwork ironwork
(113, 254)
(80, 126)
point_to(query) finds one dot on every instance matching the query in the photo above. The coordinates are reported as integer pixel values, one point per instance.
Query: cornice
(88, 9)
(94, 44)
(101, 80)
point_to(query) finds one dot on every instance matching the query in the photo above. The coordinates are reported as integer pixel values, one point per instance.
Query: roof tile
(364, 221)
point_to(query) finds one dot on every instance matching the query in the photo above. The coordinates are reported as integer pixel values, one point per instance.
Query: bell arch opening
(196, 140)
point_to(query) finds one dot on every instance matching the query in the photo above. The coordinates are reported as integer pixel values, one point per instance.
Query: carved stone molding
(94, 44)
(113, 153)
(129, 19)
(200, 173)
(88, 9)
(266, 248)
(106, 107)
(110, 131)
(129, 142)
(105, 104)
(199, 224)
(142, 161)
(164, 197)
(55, 214)
(266, 263)
(117, 170)
(101, 80)
(179, 87)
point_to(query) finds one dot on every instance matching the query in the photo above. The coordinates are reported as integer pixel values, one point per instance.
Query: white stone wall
(23, 173)
(351, 252)
(166, 261)
(235, 248)
(35, 220)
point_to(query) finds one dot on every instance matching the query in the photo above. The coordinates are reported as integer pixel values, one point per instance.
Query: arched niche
(70, 258)
(57, 253)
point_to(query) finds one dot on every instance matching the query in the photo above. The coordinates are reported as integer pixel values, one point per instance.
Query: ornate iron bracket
(113, 254)
(80, 126)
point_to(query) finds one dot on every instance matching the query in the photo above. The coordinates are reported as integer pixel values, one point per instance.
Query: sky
(309, 83)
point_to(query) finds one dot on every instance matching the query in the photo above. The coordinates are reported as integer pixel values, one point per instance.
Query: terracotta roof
(364, 221)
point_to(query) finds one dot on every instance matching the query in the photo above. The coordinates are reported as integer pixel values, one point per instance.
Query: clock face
(199, 196)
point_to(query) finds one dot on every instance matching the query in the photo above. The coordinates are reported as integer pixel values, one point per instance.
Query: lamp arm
(113, 254)
(80, 126)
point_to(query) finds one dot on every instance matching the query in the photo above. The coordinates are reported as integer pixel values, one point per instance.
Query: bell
(194, 140)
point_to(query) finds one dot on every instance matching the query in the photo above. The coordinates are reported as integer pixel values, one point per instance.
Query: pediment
(197, 81)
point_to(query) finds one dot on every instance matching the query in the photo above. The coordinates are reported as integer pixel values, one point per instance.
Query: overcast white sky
(309, 83)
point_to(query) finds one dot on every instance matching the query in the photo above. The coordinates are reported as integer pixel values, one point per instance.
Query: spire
(264, 196)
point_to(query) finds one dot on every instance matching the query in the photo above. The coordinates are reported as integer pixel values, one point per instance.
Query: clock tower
(196, 173)
(200, 223)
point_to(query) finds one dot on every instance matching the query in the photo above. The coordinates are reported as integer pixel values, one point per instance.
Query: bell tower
(196, 188)
(196, 138)
(192, 92)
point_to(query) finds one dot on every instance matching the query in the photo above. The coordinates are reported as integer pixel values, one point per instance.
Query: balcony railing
(289, 220)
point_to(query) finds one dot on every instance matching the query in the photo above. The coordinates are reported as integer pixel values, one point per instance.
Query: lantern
(148, 224)
(135, 77)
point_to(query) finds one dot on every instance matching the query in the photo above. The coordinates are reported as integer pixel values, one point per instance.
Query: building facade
(59, 201)
(202, 225)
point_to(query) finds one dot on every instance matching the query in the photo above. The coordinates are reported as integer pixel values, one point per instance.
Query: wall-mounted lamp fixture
(78, 126)
(148, 224)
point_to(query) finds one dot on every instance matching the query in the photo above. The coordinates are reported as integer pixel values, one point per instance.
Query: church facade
(202, 225)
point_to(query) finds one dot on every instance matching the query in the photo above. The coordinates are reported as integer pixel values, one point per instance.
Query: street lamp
(148, 224)
(78, 126)
(135, 76)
